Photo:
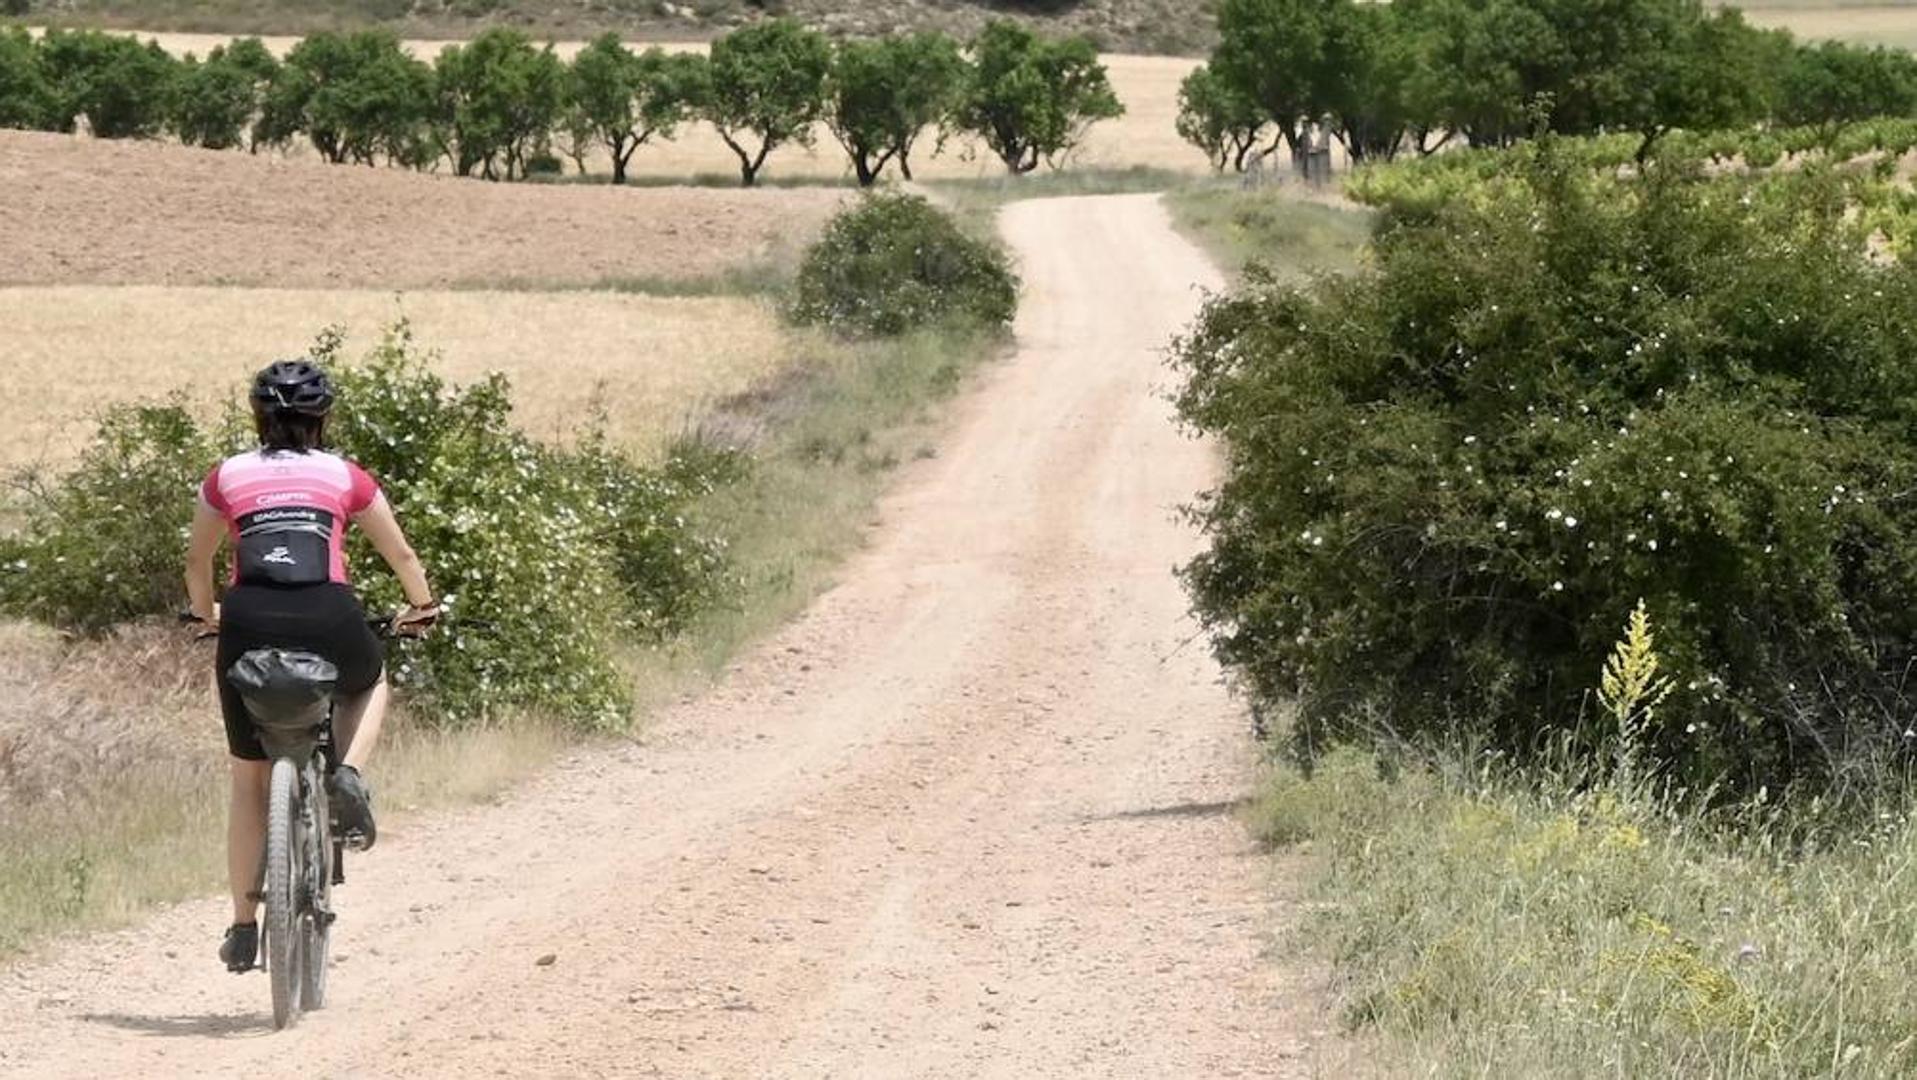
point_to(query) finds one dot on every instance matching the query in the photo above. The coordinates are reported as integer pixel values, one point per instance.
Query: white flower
(1557, 586)
(1570, 522)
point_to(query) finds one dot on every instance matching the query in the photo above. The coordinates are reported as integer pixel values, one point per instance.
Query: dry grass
(112, 775)
(70, 348)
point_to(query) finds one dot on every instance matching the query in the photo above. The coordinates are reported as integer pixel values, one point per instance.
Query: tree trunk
(1244, 152)
(902, 150)
(748, 163)
(1644, 147)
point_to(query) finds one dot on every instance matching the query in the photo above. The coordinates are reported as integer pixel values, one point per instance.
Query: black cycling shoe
(241, 949)
(352, 804)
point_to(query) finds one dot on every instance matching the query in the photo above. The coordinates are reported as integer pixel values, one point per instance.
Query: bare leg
(246, 835)
(356, 724)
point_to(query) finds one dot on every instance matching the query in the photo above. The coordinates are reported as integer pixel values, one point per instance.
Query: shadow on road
(1175, 810)
(227, 1025)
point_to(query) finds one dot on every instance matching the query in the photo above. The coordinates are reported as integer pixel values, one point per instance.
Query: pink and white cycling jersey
(288, 512)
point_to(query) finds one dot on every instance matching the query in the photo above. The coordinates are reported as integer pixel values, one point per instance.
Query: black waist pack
(287, 545)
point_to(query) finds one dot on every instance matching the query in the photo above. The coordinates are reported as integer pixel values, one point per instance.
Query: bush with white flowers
(546, 556)
(1450, 475)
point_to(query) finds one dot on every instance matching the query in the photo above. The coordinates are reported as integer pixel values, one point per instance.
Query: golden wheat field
(70, 349)
(1884, 24)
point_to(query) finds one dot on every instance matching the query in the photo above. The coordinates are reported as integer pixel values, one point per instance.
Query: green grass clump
(1488, 926)
(1239, 227)
(976, 202)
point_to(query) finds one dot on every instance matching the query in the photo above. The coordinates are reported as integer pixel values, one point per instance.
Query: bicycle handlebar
(384, 627)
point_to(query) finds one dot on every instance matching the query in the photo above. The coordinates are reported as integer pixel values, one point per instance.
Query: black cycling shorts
(324, 619)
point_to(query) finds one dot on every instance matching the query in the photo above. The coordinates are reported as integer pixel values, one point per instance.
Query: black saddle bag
(289, 695)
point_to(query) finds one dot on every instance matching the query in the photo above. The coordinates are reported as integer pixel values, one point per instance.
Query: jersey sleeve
(210, 492)
(363, 491)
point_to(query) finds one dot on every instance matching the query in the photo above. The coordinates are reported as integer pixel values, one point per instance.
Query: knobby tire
(315, 921)
(283, 931)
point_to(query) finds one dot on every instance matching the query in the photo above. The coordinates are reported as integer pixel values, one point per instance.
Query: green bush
(896, 263)
(546, 556)
(1451, 475)
(102, 544)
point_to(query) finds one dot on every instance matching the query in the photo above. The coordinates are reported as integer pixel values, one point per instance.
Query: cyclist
(286, 507)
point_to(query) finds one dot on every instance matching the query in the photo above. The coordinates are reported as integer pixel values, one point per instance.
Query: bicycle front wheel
(316, 917)
(283, 881)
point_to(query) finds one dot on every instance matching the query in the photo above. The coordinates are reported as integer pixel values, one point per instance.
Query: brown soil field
(68, 349)
(85, 210)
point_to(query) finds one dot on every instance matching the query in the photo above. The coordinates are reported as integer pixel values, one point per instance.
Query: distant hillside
(1160, 27)
(1140, 26)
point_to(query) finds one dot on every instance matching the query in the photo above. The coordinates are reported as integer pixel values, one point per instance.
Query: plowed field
(80, 210)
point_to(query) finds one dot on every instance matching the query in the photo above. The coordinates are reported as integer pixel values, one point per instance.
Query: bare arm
(203, 542)
(382, 528)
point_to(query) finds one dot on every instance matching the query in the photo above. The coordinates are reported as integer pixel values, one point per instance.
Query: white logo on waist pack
(280, 555)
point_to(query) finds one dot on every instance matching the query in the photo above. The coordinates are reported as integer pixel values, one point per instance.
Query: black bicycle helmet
(296, 386)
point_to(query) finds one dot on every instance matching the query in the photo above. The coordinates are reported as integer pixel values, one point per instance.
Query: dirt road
(969, 817)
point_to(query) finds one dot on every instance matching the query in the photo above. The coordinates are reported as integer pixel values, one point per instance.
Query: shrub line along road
(969, 816)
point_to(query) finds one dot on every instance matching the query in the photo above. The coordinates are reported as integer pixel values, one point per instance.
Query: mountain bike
(289, 694)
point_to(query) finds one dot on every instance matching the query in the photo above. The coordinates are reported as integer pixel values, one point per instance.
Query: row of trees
(1417, 74)
(501, 107)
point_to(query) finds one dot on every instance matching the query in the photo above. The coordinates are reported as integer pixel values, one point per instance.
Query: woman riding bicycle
(286, 507)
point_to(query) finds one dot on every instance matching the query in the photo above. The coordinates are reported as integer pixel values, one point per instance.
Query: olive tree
(1272, 53)
(357, 97)
(216, 101)
(767, 88)
(622, 100)
(1031, 99)
(1829, 85)
(26, 98)
(500, 98)
(120, 85)
(1214, 117)
(883, 93)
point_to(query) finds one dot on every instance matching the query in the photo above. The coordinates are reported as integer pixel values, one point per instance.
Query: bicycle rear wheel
(284, 947)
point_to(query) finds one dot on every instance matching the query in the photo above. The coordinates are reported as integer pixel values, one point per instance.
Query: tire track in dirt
(969, 816)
